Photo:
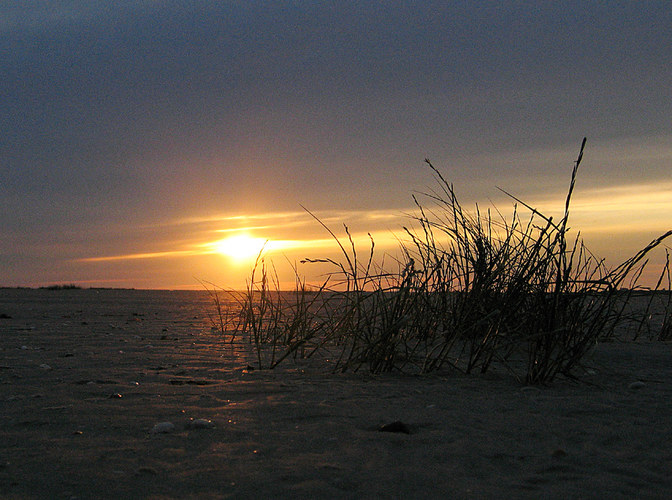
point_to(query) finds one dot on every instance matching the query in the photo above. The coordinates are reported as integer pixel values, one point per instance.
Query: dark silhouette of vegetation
(470, 291)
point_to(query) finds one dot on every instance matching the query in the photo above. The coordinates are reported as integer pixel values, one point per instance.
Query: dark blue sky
(120, 115)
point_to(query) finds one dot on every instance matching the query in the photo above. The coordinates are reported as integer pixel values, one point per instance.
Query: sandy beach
(86, 375)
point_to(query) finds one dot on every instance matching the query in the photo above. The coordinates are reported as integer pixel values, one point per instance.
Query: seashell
(163, 428)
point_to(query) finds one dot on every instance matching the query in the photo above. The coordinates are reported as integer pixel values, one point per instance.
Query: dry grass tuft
(469, 292)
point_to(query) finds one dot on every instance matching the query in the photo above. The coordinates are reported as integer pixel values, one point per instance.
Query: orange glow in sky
(615, 222)
(221, 119)
(241, 247)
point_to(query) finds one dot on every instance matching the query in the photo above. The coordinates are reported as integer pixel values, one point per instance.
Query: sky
(137, 135)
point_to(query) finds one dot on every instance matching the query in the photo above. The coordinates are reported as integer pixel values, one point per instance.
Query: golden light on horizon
(614, 221)
(241, 247)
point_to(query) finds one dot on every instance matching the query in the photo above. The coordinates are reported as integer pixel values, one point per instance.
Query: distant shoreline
(71, 287)
(637, 292)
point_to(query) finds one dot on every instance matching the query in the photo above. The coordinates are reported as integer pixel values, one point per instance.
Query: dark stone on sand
(5, 316)
(190, 382)
(146, 471)
(199, 423)
(163, 428)
(101, 382)
(396, 426)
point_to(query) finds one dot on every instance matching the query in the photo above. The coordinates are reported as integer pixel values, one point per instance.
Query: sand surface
(86, 374)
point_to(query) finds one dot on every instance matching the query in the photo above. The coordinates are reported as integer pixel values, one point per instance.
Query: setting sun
(241, 247)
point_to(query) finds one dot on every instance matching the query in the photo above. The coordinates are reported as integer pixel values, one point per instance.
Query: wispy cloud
(383, 240)
(284, 219)
(147, 255)
(618, 209)
(611, 210)
(238, 218)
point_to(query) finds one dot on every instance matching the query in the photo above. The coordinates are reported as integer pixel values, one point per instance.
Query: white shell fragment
(163, 428)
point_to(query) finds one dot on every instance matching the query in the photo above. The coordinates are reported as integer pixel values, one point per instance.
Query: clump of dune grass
(469, 291)
(665, 332)
(514, 290)
(655, 322)
(277, 324)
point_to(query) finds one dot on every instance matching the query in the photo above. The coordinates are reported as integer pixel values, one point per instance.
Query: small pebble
(636, 385)
(146, 470)
(163, 428)
(396, 426)
(45, 366)
(200, 423)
